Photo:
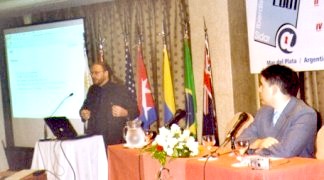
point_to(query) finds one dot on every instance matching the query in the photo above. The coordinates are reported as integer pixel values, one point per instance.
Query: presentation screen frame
(49, 95)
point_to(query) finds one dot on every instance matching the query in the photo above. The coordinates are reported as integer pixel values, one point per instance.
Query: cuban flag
(144, 98)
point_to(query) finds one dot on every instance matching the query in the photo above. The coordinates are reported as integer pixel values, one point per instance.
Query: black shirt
(100, 101)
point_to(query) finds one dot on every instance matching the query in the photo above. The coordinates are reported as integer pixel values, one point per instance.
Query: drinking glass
(208, 141)
(241, 146)
(149, 136)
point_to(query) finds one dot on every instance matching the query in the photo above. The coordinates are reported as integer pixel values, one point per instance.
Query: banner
(287, 32)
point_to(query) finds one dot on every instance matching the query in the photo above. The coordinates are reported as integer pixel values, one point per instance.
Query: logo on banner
(287, 38)
(276, 23)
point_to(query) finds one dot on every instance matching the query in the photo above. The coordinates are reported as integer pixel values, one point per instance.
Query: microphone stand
(216, 151)
(231, 134)
(85, 126)
(179, 114)
(45, 132)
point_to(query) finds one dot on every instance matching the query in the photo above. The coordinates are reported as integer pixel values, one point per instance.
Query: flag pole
(186, 38)
(190, 93)
(169, 102)
(101, 46)
(129, 73)
(145, 99)
(210, 124)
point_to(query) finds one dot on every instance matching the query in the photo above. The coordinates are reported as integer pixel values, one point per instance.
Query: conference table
(79, 159)
(134, 164)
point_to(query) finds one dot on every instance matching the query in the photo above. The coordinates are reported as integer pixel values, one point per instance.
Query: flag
(101, 55)
(129, 75)
(191, 104)
(144, 99)
(169, 105)
(101, 51)
(209, 110)
(87, 83)
(87, 74)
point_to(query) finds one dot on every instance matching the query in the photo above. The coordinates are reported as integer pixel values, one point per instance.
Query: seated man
(284, 126)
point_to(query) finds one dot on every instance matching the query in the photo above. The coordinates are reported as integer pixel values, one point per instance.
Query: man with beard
(108, 105)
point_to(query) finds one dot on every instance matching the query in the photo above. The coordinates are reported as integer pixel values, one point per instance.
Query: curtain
(313, 94)
(110, 21)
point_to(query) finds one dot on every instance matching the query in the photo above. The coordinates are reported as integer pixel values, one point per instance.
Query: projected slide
(46, 64)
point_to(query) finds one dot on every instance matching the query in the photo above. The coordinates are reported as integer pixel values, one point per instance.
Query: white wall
(3, 159)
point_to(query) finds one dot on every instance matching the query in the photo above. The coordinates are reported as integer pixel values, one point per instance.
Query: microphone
(241, 119)
(178, 115)
(71, 94)
(59, 105)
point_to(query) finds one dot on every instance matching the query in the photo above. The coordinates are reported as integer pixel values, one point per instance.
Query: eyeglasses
(96, 72)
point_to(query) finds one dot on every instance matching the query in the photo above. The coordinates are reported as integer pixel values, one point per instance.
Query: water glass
(241, 146)
(208, 141)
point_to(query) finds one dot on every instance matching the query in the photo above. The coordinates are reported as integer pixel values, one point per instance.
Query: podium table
(78, 159)
(133, 164)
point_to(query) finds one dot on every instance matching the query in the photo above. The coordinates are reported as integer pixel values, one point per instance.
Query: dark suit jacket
(100, 101)
(295, 130)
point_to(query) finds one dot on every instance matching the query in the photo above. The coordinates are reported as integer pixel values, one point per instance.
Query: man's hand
(118, 111)
(264, 143)
(85, 114)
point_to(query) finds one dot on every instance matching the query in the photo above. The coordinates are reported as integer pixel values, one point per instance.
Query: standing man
(108, 105)
(284, 126)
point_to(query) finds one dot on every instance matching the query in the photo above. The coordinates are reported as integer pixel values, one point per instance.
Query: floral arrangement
(174, 143)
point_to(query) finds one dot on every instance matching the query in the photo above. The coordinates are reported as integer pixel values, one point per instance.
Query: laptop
(61, 127)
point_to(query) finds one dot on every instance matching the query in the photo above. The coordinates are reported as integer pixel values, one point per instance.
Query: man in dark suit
(284, 126)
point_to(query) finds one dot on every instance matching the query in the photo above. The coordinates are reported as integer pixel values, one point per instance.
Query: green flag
(191, 104)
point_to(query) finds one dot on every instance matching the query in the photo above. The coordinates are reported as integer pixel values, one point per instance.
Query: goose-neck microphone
(59, 105)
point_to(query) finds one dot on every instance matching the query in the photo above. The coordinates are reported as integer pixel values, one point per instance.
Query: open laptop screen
(61, 127)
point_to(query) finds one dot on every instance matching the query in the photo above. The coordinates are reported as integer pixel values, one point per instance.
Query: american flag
(129, 75)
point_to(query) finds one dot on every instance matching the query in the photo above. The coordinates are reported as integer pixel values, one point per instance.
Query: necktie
(275, 117)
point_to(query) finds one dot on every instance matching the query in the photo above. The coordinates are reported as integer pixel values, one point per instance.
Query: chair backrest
(241, 128)
(319, 144)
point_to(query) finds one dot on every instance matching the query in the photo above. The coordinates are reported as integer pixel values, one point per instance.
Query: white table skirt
(79, 159)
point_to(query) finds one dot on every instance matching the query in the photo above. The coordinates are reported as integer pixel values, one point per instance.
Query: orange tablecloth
(132, 164)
